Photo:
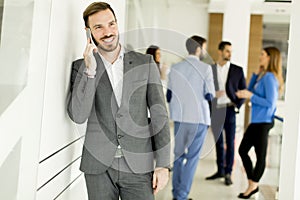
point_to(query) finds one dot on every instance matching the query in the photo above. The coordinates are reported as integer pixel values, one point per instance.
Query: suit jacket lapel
(128, 63)
(103, 80)
(215, 75)
(230, 75)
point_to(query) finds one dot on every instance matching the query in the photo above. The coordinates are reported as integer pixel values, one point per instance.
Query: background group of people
(126, 152)
(212, 96)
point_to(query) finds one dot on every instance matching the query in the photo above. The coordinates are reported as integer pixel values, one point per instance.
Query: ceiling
(283, 1)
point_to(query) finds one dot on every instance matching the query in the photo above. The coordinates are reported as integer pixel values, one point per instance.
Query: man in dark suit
(112, 90)
(228, 79)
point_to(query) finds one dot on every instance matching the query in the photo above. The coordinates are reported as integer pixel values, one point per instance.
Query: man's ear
(198, 51)
(219, 52)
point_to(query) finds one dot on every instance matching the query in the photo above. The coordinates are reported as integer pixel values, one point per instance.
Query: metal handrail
(279, 118)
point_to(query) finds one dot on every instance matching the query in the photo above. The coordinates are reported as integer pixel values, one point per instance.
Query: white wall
(36, 124)
(20, 124)
(290, 162)
(15, 41)
(166, 24)
(237, 31)
(66, 43)
(14, 48)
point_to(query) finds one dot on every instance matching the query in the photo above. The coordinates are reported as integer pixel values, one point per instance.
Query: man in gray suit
(190, 87)
(123, 155)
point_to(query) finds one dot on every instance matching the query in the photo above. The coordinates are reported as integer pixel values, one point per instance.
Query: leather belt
(225, 105)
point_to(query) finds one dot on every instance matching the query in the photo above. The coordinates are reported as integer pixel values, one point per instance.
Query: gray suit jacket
(190, 81)
(108, 125)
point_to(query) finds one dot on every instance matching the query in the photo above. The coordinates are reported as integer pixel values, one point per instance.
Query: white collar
(119, 57)
(227, 64)
(193, 56)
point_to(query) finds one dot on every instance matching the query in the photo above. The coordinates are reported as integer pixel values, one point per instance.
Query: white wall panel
(76, 191)
(37, 117)
(59, 183)
(22, 119)
(290, 154)
(67, 42)
(49, 167)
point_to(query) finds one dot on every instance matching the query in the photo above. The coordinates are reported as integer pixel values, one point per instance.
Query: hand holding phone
(89, 36)
(88, 55)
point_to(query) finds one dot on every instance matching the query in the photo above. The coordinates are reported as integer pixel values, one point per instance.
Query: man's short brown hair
(94, 8)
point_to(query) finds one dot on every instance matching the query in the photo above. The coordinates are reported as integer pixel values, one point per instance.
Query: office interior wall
(20, 123)
(236, 29)
(23, 121)
(60, 143)
(40, 144)
(169, 23)
(255, 46)
(15, 41)
(290, 159)
(214, 34)
(14, 48)
(61, 140)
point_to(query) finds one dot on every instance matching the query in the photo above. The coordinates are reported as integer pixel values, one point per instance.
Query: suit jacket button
(120, 136)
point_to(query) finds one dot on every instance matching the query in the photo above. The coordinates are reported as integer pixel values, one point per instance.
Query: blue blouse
(264, 98)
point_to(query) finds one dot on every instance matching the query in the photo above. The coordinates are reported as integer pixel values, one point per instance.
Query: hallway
(216, 189)
(41, 146)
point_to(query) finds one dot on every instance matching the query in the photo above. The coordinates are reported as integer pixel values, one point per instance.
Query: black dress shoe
(242, 196)
(187, 199)
(228, 180)
(214, 176)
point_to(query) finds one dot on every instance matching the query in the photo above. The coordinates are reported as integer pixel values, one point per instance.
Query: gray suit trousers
(117, 182)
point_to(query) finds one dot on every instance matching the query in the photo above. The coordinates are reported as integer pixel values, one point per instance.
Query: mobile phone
(89, 35)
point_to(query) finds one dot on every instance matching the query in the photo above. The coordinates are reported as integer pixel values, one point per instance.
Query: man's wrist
(90, 73)
(168, 168)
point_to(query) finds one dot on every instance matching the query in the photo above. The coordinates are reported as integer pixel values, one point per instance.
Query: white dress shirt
(222, 78)
(115, 73)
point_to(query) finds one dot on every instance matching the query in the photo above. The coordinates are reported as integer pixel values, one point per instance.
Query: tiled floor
(216, 190)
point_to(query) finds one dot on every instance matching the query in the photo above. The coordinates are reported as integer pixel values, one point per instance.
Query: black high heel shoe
(242, 196)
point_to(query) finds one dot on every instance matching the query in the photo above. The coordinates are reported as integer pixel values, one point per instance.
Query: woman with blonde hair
(263, 91)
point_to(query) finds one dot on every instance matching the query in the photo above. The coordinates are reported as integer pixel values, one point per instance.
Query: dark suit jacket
(109, 125)
(235, 81)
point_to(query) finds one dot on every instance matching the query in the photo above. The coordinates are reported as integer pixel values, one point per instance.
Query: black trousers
(255, 136)
(224, 119)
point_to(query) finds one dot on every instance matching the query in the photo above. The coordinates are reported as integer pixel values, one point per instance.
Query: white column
(236, 28)
(290, 155)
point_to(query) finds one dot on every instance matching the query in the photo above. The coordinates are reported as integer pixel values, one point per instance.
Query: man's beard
(109, 48)
(227, 59)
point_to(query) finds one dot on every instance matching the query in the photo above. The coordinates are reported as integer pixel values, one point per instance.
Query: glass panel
(1, 16)
(15, 32)
(277, 34)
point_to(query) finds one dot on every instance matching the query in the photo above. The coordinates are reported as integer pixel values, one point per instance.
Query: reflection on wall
(1, 14)
(11, 165)
(14, 49)
(277, 35)
(159, 23)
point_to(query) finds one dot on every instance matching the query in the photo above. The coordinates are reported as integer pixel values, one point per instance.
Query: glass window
(15, 32)
(277, 34)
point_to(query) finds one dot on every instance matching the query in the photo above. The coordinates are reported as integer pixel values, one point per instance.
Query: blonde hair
(275, 65)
